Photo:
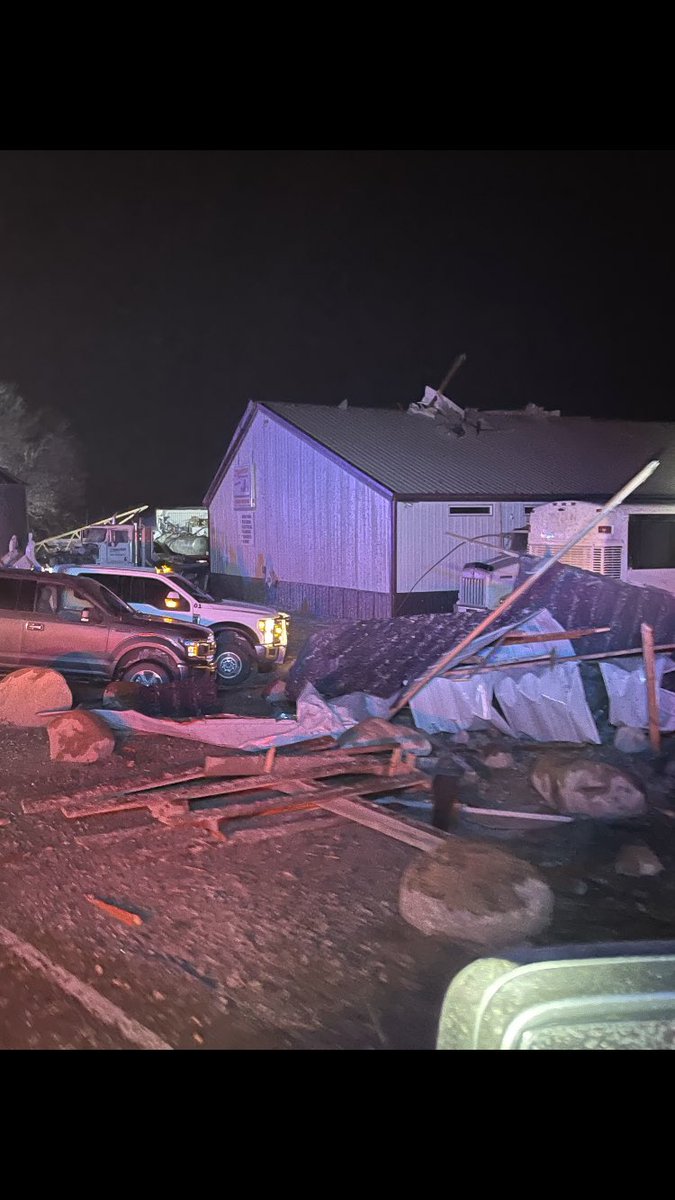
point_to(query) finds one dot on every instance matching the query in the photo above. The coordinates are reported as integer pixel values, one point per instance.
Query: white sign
(247, 528)
(242, 486)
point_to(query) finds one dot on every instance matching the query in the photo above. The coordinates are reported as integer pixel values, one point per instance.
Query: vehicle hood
(239, 606)
(165, 625)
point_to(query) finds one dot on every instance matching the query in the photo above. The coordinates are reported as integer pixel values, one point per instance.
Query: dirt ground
(289, 941)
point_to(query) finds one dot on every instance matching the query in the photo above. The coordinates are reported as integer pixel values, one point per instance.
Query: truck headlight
(266, 628)
(192, 647)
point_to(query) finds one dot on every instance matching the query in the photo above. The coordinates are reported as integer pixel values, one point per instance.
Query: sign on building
(243, 487)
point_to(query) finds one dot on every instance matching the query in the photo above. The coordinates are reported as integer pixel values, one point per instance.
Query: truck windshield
(192, 589)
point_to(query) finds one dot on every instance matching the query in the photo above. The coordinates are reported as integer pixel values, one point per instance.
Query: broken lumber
(120, 914)
(647, 634)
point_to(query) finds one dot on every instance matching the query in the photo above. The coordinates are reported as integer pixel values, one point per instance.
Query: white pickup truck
(246, 634)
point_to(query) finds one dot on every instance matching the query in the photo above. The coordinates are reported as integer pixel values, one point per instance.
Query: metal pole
(508, 601)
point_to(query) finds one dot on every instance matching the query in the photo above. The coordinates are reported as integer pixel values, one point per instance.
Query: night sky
(149, 295)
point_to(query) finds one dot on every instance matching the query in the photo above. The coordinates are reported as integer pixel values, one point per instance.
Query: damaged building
(361, 512)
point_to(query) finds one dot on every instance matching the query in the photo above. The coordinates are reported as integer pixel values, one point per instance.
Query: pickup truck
(247, 635)
(84, 631)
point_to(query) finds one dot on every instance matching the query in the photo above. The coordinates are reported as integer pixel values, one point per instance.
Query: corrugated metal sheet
(313, 522)
(516, 456)
(422, 538)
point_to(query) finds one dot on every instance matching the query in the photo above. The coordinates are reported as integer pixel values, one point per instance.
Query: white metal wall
(313, 521)
(422, 531)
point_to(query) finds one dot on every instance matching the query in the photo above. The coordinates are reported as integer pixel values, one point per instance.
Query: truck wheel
(147, 673)
(234, 659)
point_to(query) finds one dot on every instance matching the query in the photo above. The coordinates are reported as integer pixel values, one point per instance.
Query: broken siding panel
(313, 521)
(422, 539)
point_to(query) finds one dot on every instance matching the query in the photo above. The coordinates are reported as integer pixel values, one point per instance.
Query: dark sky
(149, 295)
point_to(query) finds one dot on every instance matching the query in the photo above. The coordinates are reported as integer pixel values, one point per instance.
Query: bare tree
(39, 448)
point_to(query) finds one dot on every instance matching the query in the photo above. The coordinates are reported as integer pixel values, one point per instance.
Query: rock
(498, 760)
(79, 737)
(26, 693)
(475, 895)
(583, 787)
(631, 741)
(637, 860)
(461, 737)
(375, 730)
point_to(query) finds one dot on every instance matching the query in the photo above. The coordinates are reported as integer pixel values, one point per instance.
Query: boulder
(474, 895)
(580, 786)
(79, 737)
(26, 693)
(637, 860)
(375, 730)
(629, 740)
(498, 760)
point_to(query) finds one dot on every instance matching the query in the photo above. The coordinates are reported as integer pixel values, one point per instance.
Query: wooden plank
(118, 789)
(382, 822)
(521, 638)
(161, 806)
(647, 635)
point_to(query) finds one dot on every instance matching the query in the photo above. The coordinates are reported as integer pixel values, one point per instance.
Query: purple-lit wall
(318, 537)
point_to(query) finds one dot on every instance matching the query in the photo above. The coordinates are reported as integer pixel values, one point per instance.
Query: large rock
(26, 693)
(475, 895)
(580, 786)
(79, 737)
(637, 860)
(375, 730)
(630, 740)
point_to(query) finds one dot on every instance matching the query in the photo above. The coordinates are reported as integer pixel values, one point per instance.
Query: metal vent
(473, 593)
(612, 562)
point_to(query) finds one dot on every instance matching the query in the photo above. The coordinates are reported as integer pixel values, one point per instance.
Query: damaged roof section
(530, 454)
(380, 656)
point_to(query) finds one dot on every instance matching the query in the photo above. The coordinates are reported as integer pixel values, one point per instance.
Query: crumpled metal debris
(545, 703)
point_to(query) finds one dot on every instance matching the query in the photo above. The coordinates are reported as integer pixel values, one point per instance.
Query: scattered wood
(647, 634)
(120, 914)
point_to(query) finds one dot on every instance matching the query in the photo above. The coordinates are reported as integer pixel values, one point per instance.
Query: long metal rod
(508, 601)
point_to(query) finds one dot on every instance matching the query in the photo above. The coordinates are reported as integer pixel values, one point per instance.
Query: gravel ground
(292, 941)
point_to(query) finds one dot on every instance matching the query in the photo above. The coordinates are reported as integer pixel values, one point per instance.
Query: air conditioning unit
(552, 525)
(484, 584)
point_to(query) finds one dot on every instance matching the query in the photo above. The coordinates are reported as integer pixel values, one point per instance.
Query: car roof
(37, 576)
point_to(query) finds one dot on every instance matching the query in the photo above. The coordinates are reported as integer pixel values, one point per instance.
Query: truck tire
(145, 672)
(235, 659)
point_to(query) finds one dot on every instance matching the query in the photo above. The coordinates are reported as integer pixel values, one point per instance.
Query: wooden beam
(647, 634)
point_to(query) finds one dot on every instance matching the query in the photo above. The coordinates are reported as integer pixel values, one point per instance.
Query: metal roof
(515, 455)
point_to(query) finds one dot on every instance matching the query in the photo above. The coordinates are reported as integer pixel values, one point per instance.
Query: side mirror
(85, 615)
(90, 616)
(172, 600)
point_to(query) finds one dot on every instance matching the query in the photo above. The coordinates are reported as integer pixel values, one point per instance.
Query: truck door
(158, 596)
(16, 607)
(55, 634)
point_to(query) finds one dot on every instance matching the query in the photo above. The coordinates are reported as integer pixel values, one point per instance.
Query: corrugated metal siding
(314, 522)
(422, 539)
